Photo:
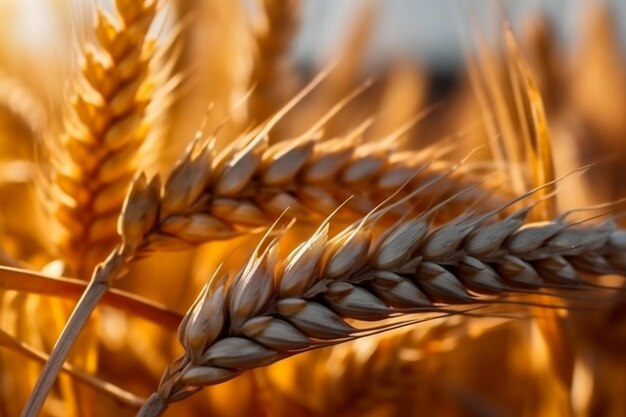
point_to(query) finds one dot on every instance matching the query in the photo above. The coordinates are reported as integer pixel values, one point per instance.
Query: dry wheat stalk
(275, 308)
(94, 383)
(104, 130)
(273, 37)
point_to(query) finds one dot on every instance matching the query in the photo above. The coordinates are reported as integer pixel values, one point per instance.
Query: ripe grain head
(267, 312)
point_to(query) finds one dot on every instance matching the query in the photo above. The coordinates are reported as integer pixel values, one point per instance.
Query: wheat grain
(273, 309)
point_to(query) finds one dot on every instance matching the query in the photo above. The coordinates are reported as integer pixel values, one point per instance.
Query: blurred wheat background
(94, 92)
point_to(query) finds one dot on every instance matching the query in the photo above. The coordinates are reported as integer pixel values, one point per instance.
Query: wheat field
(193, 222)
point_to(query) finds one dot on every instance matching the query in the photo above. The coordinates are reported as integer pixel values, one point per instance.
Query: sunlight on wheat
(255, 208)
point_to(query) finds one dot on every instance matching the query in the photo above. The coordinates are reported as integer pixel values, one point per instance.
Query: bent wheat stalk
(244, 188)
(106, 388)
(276, 308)
(31, 282)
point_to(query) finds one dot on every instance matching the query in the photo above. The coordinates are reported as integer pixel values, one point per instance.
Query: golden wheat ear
(105, 128)
(275, 308)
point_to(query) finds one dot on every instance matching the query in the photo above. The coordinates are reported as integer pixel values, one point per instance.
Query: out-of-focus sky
(426, 30)
(429, 29)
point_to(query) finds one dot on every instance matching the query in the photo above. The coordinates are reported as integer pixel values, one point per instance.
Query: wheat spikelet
(104, 129)
(273, 309)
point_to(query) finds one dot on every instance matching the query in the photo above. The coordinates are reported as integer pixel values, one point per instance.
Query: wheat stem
(111, 269)
(155, 406)
(33, 282)
(61, 350)
(118, 394)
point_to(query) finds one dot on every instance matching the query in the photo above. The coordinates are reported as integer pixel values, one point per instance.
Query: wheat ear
(212, 198)
(276, 308)
(104, 130)
(105, 126)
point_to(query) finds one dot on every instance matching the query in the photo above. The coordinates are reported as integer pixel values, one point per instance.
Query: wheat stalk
(273, 38)
(94, 383)
(273, 309)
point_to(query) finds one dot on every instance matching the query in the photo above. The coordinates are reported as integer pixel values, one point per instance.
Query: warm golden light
(311, 208)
